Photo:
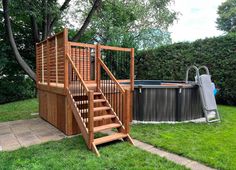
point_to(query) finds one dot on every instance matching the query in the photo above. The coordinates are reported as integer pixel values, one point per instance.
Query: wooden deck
(81, 88)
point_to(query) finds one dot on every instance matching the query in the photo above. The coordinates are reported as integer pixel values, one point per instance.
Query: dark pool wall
(167, 104)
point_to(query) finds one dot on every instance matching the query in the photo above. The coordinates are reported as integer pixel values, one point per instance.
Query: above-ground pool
(157, 100)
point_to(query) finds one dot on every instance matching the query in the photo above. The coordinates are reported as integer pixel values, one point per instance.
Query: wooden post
(132, 69)
(131, 84)
(37, 64)
(90, 117)
(48, 63)
(66, 72)
(126, 114)
(68, 117)
(98, 66)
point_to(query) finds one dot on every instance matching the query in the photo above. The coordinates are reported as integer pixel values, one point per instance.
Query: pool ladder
(206, 92)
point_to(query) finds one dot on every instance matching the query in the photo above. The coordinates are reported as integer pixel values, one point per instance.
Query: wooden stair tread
(91, 85)
(104, 127)
(84, 94)
(86, 101)
(99, 100)
(98, 118)
(96, 109)
(109, 138)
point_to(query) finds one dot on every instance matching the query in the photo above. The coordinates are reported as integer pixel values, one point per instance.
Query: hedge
(170, 63)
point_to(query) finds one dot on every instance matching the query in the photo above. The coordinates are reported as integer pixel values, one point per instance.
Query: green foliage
(72, 153)
(227, 16)
(170, 62)
(14, 84)
(212, 144)
(134, 23)
(18, 110)
(15, 88)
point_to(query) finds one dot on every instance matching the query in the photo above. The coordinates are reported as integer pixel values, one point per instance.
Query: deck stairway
(95, 111)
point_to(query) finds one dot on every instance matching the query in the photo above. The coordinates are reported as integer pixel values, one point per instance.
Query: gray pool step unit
(206, 93)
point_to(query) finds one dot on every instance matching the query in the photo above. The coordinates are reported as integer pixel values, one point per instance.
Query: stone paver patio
(23, 133)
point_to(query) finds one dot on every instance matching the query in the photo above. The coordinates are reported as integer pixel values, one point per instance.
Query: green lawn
(213, 144)
(18, 110)
(72, 153)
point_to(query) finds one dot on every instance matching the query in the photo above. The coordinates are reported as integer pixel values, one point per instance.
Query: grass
(18, 110)
(72, 153)
(213, 144)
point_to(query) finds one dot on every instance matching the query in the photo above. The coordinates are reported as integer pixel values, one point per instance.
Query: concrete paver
(23, 133)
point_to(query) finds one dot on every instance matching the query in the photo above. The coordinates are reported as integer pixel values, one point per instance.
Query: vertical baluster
(122, 107)
(132, 69)
(127, 66)
(81, 99)
(76, 57)
(110, 91)
(106, 84)
(122, 62)
(83, 64)
(114, 95)
(88, 61)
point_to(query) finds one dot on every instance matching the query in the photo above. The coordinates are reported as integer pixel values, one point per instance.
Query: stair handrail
(90, 94)
(111, 75)
(77, 72)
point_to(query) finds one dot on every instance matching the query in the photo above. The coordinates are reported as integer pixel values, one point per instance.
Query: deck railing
(52, 69)
(50, 60)
(119, 61)
(83, 55)
(115, 94)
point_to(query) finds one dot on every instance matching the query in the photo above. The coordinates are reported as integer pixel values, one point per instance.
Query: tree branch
(78, 35)
(19, 59)
(65, 5)
(62, 8)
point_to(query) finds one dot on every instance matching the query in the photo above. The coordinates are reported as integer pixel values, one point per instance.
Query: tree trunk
(44, 22)
(34, 29)
(19, 59)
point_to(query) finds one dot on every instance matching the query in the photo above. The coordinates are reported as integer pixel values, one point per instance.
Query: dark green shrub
(15, 88)
(170, 63)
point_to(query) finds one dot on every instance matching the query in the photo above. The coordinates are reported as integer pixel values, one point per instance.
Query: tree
(42, 18)
(12, 78)
(133, 23)
(227, 16)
